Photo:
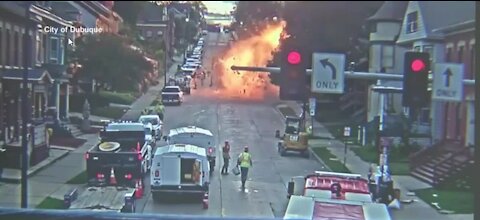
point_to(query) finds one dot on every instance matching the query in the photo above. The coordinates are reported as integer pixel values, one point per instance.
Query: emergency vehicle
(330, 195)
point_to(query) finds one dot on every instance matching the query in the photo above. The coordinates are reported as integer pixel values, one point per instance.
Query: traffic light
(293, 73)
(415, 79)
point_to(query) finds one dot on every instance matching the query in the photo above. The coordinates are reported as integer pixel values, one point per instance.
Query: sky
(222, 7)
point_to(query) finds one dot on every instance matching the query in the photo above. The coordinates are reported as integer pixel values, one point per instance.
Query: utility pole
(25, 109)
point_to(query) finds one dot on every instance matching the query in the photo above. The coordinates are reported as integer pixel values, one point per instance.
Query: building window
(458, 121)
(44, 47)
(54, 49)
(373, 28)
(1, 46)
(472, 60)
(159, 33)
(412, 22)
(8, 55)
(448, 56)
(16, 49)
(388, 56)
(460, 54)
(417, 49)
(149, 33)
(39, 48)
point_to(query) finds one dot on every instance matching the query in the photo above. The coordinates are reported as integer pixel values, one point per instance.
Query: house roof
(437, 14)
(151, 14)
(65, 10)
(390, 11)
(434, 15)
(456, 27)
(56, 71)
(36, 74)
(49, 15)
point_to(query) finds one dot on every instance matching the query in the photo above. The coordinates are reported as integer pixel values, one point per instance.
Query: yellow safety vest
(245, 159)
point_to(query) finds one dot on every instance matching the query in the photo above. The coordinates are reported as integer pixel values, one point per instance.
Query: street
(242, 124)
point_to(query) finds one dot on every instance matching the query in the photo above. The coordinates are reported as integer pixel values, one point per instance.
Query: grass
(156, 102)
(81, 178)
(334, 165)
(461, 202)
(109, 112)
(118, 97)
(397, 161)
(287, 111)
(50, 203)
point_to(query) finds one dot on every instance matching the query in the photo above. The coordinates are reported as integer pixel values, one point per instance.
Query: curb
(14, 180)
(318, 158)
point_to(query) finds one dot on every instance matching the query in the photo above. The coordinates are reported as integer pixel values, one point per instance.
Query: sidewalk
(416, 210)
(49, 178)
(153, 92)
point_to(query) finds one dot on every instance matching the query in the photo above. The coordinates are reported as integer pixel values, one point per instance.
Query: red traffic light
(417, 65)
(294, 57)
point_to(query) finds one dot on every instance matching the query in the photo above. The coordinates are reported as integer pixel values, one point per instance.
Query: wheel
(306, 154)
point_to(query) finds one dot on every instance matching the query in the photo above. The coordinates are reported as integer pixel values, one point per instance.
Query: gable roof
(434, 15)
(437, 14)
(390, 11)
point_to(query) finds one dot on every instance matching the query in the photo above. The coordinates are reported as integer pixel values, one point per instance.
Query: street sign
(448, 82)
(328, 73)
(312, 104)
(346, 132)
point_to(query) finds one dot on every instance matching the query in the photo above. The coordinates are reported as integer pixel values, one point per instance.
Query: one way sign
(448, 82)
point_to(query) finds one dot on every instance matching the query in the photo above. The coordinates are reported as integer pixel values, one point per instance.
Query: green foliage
(50, 203)
(101, 99)
(117, 97)
(81, 178)
(109, 112)
(129, 10)
(108, 58)
(461, 202)
(326, 156)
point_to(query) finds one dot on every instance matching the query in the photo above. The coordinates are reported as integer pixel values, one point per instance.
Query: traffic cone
(138, 194)
(113, 180)
(205, 201)
(140, 186)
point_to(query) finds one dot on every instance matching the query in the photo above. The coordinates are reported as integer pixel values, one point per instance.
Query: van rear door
(170, 170)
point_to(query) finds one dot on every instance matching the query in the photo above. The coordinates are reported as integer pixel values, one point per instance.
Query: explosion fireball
(253, 51)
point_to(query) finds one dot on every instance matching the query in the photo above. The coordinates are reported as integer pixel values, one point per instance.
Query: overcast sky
(223, 7)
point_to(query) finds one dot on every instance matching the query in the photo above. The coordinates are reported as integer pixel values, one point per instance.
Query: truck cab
(155, 122)
(195, 136)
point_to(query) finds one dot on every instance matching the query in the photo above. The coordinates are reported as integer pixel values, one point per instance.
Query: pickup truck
(155, 122)
(172, 94)
(123, 154)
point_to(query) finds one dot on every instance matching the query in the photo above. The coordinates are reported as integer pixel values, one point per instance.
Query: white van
(195, 136)
(179, 168)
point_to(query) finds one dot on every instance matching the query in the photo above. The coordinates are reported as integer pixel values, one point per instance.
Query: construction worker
(226, 157)
(245, 162)
(159, 108)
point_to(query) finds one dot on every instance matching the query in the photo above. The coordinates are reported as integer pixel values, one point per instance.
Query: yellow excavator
(294, 139)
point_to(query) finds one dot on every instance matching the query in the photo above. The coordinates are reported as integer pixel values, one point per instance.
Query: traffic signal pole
(348, 74)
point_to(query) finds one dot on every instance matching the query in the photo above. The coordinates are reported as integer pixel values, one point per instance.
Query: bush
(51, 203)
(117, 98)
(109, 112)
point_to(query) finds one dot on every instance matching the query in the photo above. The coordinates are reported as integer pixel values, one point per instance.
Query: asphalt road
(242, 123)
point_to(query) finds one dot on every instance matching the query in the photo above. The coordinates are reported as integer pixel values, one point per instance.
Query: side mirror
(290, 188)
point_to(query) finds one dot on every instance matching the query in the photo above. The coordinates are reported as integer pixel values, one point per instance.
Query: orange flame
(253, 51)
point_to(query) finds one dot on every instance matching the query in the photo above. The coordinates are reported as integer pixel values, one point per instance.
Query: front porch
(39, 81)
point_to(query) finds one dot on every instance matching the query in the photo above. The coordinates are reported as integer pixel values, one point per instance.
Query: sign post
(346, 133)
(448, 82)
(312, 104)
(328, 73)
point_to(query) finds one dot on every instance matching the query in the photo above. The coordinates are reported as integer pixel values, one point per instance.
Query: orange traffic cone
(138, 193)
(113, 180)
(140, 186)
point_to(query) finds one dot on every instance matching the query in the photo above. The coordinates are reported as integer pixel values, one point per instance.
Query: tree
(129, 11)
(108, 58)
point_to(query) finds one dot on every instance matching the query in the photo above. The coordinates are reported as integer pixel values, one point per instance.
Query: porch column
(57, 99)
(67, 100)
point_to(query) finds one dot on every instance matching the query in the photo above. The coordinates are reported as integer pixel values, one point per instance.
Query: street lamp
(25, 112)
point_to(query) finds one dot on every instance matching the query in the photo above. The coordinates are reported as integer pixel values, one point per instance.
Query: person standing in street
(245, 162)
(226, 157)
